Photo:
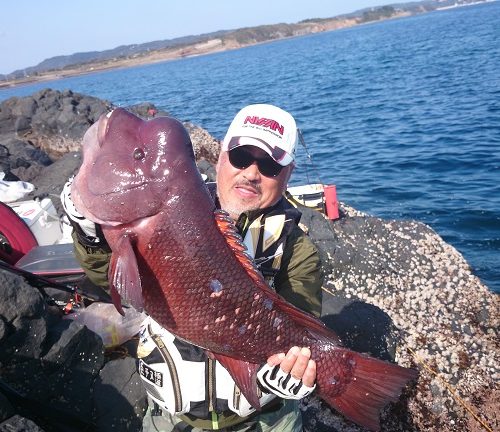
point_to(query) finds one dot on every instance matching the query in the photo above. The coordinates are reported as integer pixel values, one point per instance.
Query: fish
(181, 260)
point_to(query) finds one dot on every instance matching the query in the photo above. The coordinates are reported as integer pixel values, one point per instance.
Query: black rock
(24, 325)
(19, 149)
(361, 326)
(322, 235)
(119, 397)
(51, 121)
(65, 114)
(6, 408)
(50, 181)
(47, 372)
(17, 423)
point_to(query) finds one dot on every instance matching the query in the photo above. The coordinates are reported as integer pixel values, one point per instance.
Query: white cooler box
(311, 195)
(41, 218)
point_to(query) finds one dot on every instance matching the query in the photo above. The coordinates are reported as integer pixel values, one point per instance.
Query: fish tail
(374, 383)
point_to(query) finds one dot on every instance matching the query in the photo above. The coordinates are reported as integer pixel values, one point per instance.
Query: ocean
(402, 115)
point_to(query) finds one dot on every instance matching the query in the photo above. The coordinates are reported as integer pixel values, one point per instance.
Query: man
(188, 390)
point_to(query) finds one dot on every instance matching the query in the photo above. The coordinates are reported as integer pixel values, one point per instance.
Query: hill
(156, 51)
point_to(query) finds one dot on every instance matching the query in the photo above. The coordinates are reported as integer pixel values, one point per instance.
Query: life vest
(179, 376)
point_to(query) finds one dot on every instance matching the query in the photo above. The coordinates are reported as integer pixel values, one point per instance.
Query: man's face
(241, 190)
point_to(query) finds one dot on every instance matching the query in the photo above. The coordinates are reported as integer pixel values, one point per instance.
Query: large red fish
(180, 259)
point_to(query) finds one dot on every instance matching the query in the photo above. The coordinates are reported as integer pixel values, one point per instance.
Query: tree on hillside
(378, 13)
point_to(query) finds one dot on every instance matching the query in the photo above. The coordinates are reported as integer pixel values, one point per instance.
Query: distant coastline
(224, 41)
(208, 46)
(100, 66)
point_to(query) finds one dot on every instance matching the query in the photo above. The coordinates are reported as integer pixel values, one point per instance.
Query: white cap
(265, 126)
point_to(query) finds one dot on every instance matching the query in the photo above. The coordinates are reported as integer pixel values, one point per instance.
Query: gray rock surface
(17, 423)
(403, 292)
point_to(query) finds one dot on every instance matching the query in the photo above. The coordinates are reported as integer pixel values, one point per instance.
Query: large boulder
(48, 364)
(53, 121)
(395, 289)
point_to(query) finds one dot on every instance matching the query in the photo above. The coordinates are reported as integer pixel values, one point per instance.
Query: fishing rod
(308, 154)
(319, 180)
(40, 282)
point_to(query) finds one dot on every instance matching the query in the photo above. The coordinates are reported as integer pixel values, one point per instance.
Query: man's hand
(289, 376)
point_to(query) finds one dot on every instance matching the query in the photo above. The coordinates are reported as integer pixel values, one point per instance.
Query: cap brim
(277, 154)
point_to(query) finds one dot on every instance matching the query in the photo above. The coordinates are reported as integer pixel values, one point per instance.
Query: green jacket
(298, 280)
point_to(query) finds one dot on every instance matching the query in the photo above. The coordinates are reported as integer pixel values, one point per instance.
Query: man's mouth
(247, 191)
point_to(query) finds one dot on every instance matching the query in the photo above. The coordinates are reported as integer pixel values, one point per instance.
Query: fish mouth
(124, 191)
(102, 128)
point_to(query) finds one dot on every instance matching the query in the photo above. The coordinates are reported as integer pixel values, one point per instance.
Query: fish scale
(178, 258)
(253, 306)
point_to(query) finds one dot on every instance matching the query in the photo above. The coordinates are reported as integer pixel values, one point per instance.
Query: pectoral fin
(124, 278)
(244, 375)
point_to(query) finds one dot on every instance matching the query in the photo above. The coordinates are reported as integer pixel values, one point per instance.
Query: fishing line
(450, 389)
(308, 154)
(404, 335)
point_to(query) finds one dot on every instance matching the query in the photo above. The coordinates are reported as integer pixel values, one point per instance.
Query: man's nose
(252, 172)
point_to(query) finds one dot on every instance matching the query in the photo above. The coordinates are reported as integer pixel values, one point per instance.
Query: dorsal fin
(235, 242)
(228, 230)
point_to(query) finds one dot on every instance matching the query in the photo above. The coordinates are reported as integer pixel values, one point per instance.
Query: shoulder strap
(266, 235)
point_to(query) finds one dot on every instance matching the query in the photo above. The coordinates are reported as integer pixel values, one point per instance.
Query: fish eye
(139, 154)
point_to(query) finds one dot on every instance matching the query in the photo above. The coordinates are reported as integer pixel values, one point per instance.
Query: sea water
(402, 115)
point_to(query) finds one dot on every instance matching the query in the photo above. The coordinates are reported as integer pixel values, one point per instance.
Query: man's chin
(235, 210)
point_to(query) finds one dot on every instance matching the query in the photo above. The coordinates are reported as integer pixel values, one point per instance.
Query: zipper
(236, 397)
(174, 377)
(211, 392)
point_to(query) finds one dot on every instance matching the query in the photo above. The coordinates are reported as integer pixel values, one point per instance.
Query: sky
(34, 30)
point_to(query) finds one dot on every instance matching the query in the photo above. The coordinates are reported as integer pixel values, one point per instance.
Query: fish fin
(123, 275)
(244, 375)
(374, 384)
(116, 299)
(234, 241)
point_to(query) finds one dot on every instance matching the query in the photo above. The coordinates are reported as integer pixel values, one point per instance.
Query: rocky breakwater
(394, 289)
(40, 137)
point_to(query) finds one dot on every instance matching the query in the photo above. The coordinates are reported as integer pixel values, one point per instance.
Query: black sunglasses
(241, 158)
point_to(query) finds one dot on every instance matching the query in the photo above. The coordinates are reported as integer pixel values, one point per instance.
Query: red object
(187, 267)
(16, 237)
(331, 203)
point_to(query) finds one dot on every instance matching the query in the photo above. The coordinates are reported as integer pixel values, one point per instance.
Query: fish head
(128, 164)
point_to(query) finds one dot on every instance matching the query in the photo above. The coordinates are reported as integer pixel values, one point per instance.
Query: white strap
(87, 226)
